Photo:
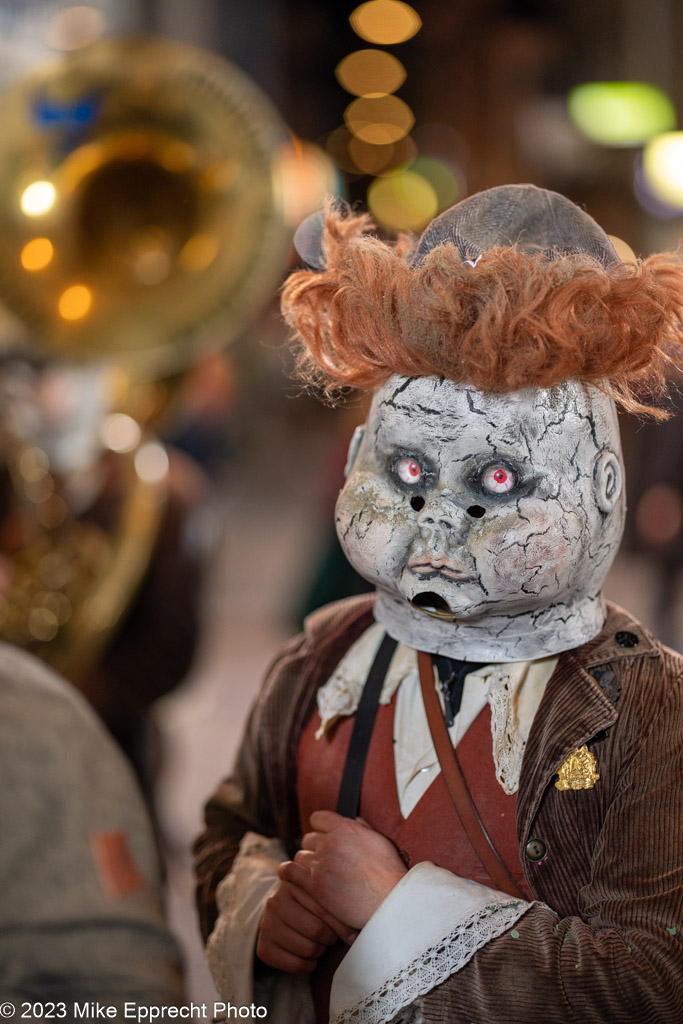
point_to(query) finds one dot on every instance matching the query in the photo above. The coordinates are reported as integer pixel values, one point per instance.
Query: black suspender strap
(348, 800)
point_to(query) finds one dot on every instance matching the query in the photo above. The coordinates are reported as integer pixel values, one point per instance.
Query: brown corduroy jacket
(610, 949)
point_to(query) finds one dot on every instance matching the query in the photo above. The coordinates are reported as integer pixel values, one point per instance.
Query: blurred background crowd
(166, 493)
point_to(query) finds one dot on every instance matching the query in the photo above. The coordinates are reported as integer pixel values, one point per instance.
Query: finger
(292, 873)
(311, 840)
(287, 924)
(325, 821)
(293, 941)
(275, 956)
(306, 860)
(305, 915)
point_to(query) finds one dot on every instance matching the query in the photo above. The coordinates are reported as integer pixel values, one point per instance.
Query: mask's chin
(433, 605)
(427, 622)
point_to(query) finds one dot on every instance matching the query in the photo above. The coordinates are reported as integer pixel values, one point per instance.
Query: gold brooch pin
(578, 771)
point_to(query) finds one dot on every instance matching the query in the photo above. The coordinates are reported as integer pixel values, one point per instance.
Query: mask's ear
(308, 241)
(607, 481)
(358, 435)
(308, 237)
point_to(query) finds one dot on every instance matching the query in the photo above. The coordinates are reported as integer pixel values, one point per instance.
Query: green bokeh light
(621, 113)
(440, 177)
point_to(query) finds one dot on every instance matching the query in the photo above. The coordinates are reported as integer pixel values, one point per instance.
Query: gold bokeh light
(379, 120)
(337, 145)
(38, 198)
(623, 249)
(370, 73)
(34, 464)
(151, 462)
(75, 302)
(199, 251)
(404, 201)
(37, 254)
(385, 22)
(177, 157)
(381, 159)
(663, 168)
(303, 174)
(120, 432)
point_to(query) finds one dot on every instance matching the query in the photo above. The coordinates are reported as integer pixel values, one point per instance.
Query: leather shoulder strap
(457, 786)
(348, 801)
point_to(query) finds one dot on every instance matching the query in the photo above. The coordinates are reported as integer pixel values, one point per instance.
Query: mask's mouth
(433, 605)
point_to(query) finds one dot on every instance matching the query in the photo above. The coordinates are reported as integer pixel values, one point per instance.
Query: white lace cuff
(241, 898)
(429, 927)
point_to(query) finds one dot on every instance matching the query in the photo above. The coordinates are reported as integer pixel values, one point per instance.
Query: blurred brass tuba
(139, 215)
(141, 221)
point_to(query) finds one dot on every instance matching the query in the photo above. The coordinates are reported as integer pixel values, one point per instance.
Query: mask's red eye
(408, 470)
(498, 480)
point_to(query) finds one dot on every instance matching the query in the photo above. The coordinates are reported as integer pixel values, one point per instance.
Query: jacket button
(626, 639)
(535, 850)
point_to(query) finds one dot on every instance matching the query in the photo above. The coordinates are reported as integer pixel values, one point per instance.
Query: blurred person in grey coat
(80, 900)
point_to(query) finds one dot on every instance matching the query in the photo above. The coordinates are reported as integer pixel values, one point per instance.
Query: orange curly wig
(513, 320)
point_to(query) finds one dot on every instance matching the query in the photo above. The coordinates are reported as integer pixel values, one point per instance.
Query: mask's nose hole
(476, 511)
(417, 502)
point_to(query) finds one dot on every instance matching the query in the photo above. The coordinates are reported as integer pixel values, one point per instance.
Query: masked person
(535, 873)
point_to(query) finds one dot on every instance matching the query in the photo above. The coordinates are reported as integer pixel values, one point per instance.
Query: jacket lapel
(574, 709)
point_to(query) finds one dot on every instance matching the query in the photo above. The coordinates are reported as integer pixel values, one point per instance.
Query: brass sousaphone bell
(140, 222)
(138, 208)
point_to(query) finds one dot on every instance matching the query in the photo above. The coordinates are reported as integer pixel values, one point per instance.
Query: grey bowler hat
(531, 218)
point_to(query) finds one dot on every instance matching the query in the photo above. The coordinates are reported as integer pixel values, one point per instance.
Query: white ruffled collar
(513, 691)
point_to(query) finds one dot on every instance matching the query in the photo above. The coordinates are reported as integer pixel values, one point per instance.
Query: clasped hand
(330, 890)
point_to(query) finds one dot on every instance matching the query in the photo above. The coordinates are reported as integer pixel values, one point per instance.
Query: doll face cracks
(467, 505)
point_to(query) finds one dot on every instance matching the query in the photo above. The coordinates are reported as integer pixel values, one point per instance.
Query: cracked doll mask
(485, 498)
(487, 522)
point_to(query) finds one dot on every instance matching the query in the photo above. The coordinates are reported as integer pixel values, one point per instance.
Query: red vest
(432, 831)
